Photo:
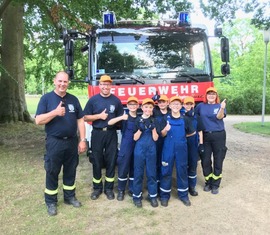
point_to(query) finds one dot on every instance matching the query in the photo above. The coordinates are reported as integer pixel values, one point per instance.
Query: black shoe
(153, 202)
(207, 188)
(109, 194)
(95, 195)
(130, 193)
(52, 209)
(164, 202)
(73, 201)
(138, 203)
(120, 195)
(186, 202)
(193, 192)
(214, 191)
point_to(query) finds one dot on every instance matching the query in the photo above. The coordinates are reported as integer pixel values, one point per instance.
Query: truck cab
(149, 58)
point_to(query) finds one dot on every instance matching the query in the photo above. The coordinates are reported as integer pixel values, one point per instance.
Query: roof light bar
(109, 19)
(184, 19)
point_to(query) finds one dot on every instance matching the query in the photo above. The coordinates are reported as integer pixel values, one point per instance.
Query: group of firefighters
(152, 142)
(170, 131)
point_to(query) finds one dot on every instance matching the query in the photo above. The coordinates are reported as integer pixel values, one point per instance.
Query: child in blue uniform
(194, 143)
(175, 150)
(145, 154)
(125, 155)
(160, 112)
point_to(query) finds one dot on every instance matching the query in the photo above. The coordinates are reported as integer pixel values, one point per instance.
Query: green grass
(32, 102)
(254, 127)
(22, 207)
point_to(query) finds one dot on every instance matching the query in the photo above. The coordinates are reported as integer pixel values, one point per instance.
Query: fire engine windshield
(152, 54)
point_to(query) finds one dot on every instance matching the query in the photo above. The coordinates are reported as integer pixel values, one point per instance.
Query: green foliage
(44, 53)
(243, 88)
(44, 21)
(226, 11)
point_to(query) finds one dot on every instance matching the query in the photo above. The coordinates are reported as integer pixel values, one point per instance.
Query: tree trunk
(12, 93)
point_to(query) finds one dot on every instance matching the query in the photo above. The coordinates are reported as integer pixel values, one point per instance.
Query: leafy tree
(243, 88)
(226, 10)
(31, 28)
(30, 32)
(12, 98)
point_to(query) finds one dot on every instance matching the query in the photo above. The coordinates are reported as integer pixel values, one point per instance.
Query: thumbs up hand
(223, 104)
(168, 126)
(103, 115)
(60, 111)
(125, 116)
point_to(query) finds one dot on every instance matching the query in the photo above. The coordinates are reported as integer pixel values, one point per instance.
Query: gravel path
(241, 207)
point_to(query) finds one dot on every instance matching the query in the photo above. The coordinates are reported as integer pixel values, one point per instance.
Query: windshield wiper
(136, 78)
(187, 75)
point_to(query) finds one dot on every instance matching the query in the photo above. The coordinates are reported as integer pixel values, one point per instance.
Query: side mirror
(225, 50)
(225, 69)
(69, 53)
(218, 32)
(70, 73)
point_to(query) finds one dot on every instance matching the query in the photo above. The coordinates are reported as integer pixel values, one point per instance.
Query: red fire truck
(148, 58)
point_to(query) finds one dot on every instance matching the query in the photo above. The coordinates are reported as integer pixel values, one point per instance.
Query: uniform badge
(112, 108)
(216, 111)
(71, 108)
(165, 163)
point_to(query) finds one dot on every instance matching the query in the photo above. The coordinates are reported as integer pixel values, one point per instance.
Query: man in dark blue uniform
(62, 115)
(99, 110)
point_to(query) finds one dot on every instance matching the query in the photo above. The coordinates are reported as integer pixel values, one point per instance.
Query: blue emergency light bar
(184, 19)
(109, 19)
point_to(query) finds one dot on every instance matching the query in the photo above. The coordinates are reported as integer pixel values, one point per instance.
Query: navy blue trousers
(60, 153)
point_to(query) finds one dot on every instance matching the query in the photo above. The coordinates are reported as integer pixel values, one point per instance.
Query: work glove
(141, 127)
(190, 113)
(156, 97)
(90, 155)
(201, 150)
(151, 126)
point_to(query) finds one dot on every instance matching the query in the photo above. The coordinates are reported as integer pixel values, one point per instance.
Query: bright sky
(197, 17)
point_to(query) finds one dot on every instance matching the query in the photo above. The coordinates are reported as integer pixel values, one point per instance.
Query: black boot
(120, 195)
(73, 201)
(193, 192)
(95, 195)
(207, 188)
(52, 209)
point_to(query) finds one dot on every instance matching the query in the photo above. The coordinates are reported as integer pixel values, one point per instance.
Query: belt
(63, 138)
(212, 131)
(103, 129)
